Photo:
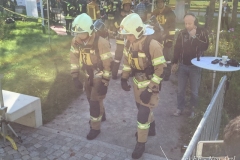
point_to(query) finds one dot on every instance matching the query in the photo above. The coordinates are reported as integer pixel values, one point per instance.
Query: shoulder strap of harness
(146, 48)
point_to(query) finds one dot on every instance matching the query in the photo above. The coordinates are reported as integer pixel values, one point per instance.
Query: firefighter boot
(152, 131)
(115, 69)
(93, 134)
(138, 151)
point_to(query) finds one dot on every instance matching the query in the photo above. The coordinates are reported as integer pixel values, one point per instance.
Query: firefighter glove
(77, 83)
(146, 96)
(102, 90)
(125, 85)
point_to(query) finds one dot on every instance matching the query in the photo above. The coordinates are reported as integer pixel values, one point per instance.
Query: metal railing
(208, 127)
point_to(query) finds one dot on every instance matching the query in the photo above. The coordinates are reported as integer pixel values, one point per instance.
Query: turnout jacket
(187, 48)
(156, 60)
(104, 55)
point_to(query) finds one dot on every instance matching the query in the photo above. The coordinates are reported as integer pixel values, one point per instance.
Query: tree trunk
(210, 14)
(233, 23)
(180, 10)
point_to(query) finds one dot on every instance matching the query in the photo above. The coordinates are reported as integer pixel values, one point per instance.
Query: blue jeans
(193, 74)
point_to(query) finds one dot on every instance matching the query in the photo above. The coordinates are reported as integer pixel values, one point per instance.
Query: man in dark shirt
(191, 43)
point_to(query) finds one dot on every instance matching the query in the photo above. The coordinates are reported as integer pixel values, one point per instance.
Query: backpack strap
(95, 47)
(146, 48)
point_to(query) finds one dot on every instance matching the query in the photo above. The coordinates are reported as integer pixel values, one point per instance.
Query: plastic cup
(224, 59)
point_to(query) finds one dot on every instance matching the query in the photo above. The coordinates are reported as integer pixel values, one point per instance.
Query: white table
(205, 63)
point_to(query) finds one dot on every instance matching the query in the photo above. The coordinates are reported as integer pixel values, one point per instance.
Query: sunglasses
(221, 64)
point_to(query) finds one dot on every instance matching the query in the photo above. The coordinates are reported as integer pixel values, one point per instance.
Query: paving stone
(58, 153)
(35, 158)
(68, 139)
(51, 157)
(26, 157)
(65, 148)
(1, 150)
(73, 158)
(43, 155)
(41, 149)
(111, 156)
(84, 150)
(65, 156)
(88, 156)
(97, 158)
(50, 151)
(48, 144)
(27, 145)
(55, 146)
(24, 152)
(12, 151)
(34, 154)
(77, 147)
(80, 155)
(17, 155)
(101, 154)
(7, 157)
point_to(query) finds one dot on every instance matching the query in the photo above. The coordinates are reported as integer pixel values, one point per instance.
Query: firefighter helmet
(83, 23)
(165, 1)
(126, 2)
(132, 24)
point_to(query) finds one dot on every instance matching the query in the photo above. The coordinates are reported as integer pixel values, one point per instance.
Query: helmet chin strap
(86, 40)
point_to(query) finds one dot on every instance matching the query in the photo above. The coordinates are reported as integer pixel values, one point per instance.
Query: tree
(210, 15)
(233, 23)
(180, 10)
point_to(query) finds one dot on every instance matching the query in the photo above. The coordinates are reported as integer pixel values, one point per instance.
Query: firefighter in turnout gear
(81, 6)
(93, 10)
(92, 53)
(166, 18)
(69, 13)
(143, 57)
(126, 9)
(111, 9)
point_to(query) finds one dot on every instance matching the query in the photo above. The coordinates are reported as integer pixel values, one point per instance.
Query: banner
(21, 3)
(31, 8)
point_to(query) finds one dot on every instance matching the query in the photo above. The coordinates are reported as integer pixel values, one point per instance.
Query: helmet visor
(99, 25)
(148, 30)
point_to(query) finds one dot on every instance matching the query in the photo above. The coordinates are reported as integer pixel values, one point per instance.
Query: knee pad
(143, 114)
(94, 108)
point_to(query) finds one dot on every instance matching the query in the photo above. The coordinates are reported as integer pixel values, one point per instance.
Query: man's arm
(158, 63)
(106, 57)
(202, 40)
(74, 59)
(177, 49)
(126, 66)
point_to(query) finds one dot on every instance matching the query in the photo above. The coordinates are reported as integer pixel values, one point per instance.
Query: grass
(34, 67)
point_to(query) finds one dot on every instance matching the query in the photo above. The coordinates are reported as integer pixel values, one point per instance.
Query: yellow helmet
(132, 24)
(126, 2)
(83, 23)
